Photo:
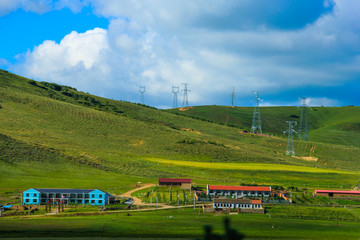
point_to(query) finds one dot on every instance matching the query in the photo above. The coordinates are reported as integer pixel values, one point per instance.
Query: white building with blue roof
(66, 196)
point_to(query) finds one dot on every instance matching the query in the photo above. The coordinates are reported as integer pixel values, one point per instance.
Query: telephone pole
(256, 121)
(175, 91)
(142, 91)
(185, 99)
(290, 144)
(304, 130)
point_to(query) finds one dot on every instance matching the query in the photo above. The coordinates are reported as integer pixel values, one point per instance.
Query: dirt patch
(190, 130)
(136, 142)
(183, 109)
(310, 159)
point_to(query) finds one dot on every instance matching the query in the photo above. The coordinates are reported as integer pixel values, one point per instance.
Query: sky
(284, 49)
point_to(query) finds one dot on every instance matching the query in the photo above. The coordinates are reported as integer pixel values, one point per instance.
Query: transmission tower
(303, 130)
(290, 144)
(185, 100)
(175, 91)
(142, 91)
(233, 97)
(256, 121)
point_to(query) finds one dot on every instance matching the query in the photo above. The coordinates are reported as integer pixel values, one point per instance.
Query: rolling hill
(56, 136)
(335, 125)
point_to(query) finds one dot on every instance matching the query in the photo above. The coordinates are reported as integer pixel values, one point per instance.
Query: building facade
(336, 193)
(66, 196)
(238, 191)
(220, 203)
(185, 183)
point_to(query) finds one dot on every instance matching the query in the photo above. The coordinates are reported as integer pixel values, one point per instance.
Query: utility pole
(290, 144)
(233, 97)
(175, 91)
(142, 91)
(256, 121)
(303, 130)
(185, 99)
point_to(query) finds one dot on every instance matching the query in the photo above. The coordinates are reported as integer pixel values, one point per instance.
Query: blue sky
(283, 48)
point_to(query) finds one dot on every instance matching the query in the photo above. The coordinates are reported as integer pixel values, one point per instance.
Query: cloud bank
(270, 46)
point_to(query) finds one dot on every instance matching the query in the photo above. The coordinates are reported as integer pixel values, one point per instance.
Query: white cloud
(40, 6)
(164, 43)
(326, 102)
(75, 54)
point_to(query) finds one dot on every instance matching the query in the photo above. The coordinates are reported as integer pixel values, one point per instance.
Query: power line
(142, 91)
(185, 99)
(256, 121)
(290, 144)
(175, 91)
(304, 130)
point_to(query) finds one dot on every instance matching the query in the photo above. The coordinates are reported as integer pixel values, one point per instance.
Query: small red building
(183, 182)
(336, 193)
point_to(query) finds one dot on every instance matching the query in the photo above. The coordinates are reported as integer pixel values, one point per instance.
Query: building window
(93, 195)
(34, 194)
(27, 195)
(92, 201)
(34, 200)
(26, 200)
(100, 201)
(100, 196)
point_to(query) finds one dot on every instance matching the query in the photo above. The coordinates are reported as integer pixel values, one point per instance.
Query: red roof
(241, 188)
(256, 201)
(337, 192)
(175, 180)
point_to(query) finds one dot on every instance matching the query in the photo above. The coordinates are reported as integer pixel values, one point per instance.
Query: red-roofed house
(336, 193)
(183, 182)
(239, 191)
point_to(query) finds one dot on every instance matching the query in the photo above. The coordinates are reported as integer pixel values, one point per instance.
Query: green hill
(56, 136)
(335, 125)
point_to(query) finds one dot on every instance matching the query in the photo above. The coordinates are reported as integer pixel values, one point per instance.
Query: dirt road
(137, 201)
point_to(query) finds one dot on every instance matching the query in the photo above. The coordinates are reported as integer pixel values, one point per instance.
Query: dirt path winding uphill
(137, 201)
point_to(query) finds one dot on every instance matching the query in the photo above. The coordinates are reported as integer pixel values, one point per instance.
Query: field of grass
(54, 136)
(185, 223)
(336, 125)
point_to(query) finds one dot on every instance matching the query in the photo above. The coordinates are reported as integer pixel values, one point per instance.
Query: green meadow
(185, 223)
(53, 136)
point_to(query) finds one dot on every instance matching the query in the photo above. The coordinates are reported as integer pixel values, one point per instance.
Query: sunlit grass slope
(74, 139)
(336, 125)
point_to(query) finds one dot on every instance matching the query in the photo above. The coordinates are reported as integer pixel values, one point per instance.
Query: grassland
(335, 125)
(185, 223)
(93, 139)
(56, 136)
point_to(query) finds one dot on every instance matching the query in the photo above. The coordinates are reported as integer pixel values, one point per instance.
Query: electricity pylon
(256, 121)
(304, 130)
(142, 91)
(175, 91)
(233, 97)
(185, 99)
(290, 143)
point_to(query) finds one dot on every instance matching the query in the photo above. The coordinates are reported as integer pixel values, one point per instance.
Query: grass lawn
(176, 223)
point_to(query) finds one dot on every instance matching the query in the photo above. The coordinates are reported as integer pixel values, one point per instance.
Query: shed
(185, 183)
(336, 193)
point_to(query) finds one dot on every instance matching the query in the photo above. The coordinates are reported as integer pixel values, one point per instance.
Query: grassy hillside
(56, 136)
(335, 125)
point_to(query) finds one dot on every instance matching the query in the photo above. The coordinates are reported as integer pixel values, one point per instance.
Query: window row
(64, 195)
